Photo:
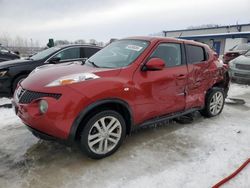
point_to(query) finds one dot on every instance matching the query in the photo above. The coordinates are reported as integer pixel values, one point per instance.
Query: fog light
(43, 106)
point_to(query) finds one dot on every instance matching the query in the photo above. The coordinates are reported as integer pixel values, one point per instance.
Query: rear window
(195, 54)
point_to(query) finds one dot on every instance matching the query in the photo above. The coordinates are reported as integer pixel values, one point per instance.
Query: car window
(120, 53)
(70, 53)
(88, 52)
(247, 53)
(169, 52)
(45, 53)
(195, 54)
(3, 50)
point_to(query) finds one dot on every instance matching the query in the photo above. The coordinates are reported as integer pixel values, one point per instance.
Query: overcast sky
(105, 19)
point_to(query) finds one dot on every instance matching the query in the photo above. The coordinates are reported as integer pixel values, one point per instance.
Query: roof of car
(167, 39)
(72, 45)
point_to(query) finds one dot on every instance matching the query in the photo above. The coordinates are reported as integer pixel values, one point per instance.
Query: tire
(96, 141)
(16, 81)
(214, 102)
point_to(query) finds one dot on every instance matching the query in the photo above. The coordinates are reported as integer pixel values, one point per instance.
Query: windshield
(248, 53)
(118, 54)
(44, 53)
(241, 47)
(2, 49)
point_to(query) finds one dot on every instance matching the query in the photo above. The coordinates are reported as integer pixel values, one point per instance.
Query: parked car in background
(6, 55)
(235, 52)
(239, 68)
(130, 83)
(11, 72)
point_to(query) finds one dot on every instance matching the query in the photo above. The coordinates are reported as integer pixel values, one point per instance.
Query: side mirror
(54, 60)
(84, 60)
(154, 64)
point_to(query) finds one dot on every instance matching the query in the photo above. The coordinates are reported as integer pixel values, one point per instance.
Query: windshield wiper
(93, 63)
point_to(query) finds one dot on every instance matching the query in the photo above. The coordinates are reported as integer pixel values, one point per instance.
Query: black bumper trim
(45, 136)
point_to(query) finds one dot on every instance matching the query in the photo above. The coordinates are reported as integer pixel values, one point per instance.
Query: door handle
(181, 77)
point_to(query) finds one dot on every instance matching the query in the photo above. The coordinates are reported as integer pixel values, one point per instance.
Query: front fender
(84, 113)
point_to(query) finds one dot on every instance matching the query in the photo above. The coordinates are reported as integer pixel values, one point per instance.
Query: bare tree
(80, 41)
(204, 26)
(93, 41)
(5, 39)
(61, 42)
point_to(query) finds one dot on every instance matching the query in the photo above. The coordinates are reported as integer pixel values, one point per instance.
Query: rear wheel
(214, 103)
(103, 134)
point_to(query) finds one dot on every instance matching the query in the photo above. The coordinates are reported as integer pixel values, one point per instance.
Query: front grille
(26, 96)
(242, 66)
(242, 75)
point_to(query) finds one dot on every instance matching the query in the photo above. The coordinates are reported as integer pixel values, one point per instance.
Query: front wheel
(214, 103)
(16, 81)
(103, 134)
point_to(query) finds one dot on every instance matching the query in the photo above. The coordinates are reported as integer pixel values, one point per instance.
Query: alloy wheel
(104, 135)
(216, 103)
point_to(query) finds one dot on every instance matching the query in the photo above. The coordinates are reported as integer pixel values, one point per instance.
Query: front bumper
(40, 134)
(57, 121)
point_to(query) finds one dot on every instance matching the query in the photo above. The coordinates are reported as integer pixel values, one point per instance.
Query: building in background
(221, 38)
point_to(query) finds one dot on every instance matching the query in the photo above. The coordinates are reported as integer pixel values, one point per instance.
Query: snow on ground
(237, 90)
(193, 155)
(4, 101)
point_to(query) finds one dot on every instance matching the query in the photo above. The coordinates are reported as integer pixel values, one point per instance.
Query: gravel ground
(169, 155)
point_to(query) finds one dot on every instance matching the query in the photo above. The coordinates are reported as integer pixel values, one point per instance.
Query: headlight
(231, 64)
(73, 78)
(3, 73)
(43, 106)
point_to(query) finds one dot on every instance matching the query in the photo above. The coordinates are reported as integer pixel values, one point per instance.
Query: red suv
(132, 82)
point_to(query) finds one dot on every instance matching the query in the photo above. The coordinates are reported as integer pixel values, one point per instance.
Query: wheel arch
(118, 105)
(224, 84)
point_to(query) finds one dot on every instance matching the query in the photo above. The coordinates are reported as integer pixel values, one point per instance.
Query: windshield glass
(44, 53)
(248, 53)
(241, 47)
(2, 49)
(118, 54)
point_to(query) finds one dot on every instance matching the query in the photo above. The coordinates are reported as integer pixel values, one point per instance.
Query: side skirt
(164, 118)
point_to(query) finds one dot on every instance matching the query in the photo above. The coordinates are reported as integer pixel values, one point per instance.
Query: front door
(162, 92)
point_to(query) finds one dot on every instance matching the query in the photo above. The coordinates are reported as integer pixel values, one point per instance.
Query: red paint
(148, 93)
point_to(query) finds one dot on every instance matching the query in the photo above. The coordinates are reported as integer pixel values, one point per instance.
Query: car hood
(236, 51)
(12, 63)
(38, 79)
(242, 60)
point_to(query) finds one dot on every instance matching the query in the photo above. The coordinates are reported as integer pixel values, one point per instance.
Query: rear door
(163, 92)
(198, 75)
